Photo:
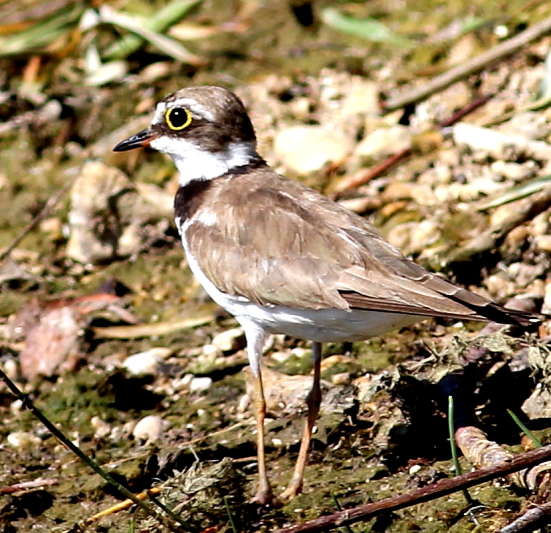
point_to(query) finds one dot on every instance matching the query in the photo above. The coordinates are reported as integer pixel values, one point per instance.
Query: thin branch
(478, 63)
(44, 212)
(492, 238)
(424, 494)
(530, 520)
(170, 522)
(369, 174)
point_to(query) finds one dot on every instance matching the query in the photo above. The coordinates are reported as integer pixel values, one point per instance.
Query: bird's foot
(266, 498)
(291, 491)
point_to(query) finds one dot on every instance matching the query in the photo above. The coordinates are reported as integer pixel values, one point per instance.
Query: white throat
(194, 163)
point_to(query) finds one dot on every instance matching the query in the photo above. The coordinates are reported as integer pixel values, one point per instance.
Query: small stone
(529, 124)
(543, 242)
(102, 428)
(307, 149)
(384, 142)
(211, 351)
(514, 171)
(230, 340)
(23, 440)
(200, 384)
(53, 226)
(499, 145)
(146, 363)
(414, 469)
(150, 428)
(362, 97)
(538, 405)
(11, 369)
(546, 307)
(341, 378)
(424, 234)
(16, 407)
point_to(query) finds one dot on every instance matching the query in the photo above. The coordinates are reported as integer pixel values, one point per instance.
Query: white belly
(321, 325)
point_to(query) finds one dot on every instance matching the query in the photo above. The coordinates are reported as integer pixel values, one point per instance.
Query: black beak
(143, 138)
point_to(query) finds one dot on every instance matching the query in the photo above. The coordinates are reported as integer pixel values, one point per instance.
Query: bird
(283, 258)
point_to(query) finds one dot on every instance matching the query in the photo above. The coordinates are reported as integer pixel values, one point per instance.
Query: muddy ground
(101, 275)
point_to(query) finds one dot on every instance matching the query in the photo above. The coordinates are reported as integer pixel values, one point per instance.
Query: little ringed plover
(283, 258)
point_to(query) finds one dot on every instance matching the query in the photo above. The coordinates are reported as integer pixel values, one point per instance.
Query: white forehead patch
(197, 109)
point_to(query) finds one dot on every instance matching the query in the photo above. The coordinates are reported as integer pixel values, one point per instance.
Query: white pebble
(200, 384)
(229, 340)
(150, 428)
(22, 440)
(546, 308)
(306, 149)
(145, 363)
(384, 142)
(102, 428)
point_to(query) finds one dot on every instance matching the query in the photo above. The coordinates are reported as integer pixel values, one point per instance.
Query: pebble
(150, 428)
(146, 363)
(200, 384)
(211, 351)
(546, 307)
(98, 194)
(514, 171)
(23, 440)
(529, 124)
(414, 469)
(422, 194)
(543, 242)
(229, 340)
(498, 144)
(538, 405)
(384, 142)
(362, 97)
(307, 149)
(102, 428)
(340, 379)
(423, 234)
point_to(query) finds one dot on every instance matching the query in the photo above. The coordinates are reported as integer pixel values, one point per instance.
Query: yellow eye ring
(178, 118)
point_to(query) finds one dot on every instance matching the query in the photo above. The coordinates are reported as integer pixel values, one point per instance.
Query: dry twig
(424, 494)
(478, 63)
(493, 237)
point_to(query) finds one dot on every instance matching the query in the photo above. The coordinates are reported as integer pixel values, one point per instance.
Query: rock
(384, 142)
(23, 440)
(514, 171)
(150, 429)
(200, 384)
(546, 307)
(529, 124)
(146, 363)
(230, 340)
(362, 97)
(414, 237)
(543, 242)
(102, 428)
(538, 405)
(307, 149)
(340, 379)
(499, 145)
(108, 214)
(424, 234)
(53, 345)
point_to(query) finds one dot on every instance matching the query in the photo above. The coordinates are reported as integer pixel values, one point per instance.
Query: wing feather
(276, 242)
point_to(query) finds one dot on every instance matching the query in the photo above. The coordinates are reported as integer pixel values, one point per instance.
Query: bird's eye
(177, 118)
